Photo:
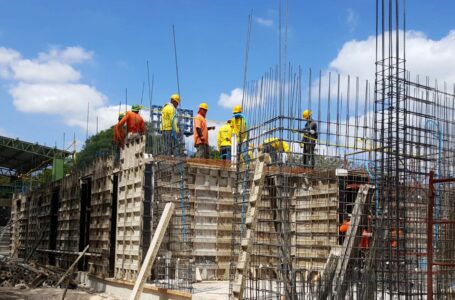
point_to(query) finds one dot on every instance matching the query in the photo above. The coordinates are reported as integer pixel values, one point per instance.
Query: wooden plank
(350, 242)
(72, 266)
(152, 251)
(250, 222)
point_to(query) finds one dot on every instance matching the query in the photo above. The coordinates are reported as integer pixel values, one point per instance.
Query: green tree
(97, 145)
(214, 153)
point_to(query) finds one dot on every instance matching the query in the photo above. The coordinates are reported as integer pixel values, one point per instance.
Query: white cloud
(7, 56)
(232, 99)
(264, 22)
(28, 70)
(49, 84)
(65, 99)
(70, 55)
(424, 56)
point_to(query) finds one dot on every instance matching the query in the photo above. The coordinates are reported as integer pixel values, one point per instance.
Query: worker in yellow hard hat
(201, 132)
(277, 149)
(239, 128)
(224, 140)
(169, 126)
(310, 137)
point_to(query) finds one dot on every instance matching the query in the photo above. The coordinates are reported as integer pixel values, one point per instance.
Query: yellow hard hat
(306, 114)
(176, 98)
(237, 109)
(204, 106)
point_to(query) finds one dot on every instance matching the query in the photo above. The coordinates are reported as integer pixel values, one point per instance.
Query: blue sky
(110, 42)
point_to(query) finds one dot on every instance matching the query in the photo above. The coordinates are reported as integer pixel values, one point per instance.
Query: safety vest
(224, 136)
(239, 128)
(277, 144)
(169, 118)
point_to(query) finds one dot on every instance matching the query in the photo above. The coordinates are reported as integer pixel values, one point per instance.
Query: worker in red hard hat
(201, 132)
(134, 121)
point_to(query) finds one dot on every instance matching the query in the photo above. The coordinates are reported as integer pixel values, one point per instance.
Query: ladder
(243, 263)
(351, 242)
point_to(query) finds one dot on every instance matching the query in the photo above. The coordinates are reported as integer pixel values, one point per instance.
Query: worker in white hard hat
(169, 126)
(310, 137)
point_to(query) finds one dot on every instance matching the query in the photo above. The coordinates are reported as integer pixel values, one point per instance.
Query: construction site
(362, 209)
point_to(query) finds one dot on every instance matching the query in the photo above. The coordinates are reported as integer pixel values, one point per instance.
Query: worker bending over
(134, 122)
(119, 132)
(169, 126)
(119, 137)
(276, 148)
(224, 140)
(201, 132)
(239, 128)
(310, 136)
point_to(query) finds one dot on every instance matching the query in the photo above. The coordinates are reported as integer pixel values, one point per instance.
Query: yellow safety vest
(224, 136)
(277, 144)
(239, 128)
(167, 114)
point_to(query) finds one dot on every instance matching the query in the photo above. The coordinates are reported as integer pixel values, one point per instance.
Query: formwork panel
(130, 210)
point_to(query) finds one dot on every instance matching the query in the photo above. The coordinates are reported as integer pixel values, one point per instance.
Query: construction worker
(278, 149)
(134, 122)
(119, 137)
(310, 136)
(119, 132)
(224, 140)
(239, 128)
(344, 227)
(169, 125)
(201, 132)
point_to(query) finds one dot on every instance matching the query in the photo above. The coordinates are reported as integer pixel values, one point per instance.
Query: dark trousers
(172, 143)
(308, 154)
(225, 153)
(271, 151)
(202, 151)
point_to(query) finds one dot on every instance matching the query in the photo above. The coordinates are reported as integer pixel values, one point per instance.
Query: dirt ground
(50, 294)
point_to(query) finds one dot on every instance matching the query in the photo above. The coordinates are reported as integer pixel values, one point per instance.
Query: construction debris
(15, 273)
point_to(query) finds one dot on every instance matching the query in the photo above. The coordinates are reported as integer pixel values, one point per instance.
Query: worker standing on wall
(276, 148)
(169, 125)
(201, 132)
(119, 136)
(310, 136)
(134, 122)
(224, 140)
(239, 128)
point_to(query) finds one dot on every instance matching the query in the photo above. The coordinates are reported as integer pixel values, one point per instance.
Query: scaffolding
(347, 207)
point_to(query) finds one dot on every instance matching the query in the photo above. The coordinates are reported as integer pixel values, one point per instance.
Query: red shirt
(134, 123)
(119, 135)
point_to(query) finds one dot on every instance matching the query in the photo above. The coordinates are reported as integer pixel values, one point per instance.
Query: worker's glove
(211, 128)
(312, 131)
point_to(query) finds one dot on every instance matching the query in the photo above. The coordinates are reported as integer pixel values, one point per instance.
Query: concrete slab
(211, 290)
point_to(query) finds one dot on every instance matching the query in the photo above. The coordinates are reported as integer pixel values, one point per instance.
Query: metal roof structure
(18, 157)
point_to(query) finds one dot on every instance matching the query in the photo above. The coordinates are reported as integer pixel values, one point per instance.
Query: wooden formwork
(316, 220)
(210, 188)
(18, 218)
(130, 210)
(68, 218)
(100, 215)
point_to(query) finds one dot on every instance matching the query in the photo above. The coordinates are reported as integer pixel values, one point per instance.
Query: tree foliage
(97, 145)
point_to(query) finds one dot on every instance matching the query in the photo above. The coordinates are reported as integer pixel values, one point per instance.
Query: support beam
(152, 251)
(243, 263)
